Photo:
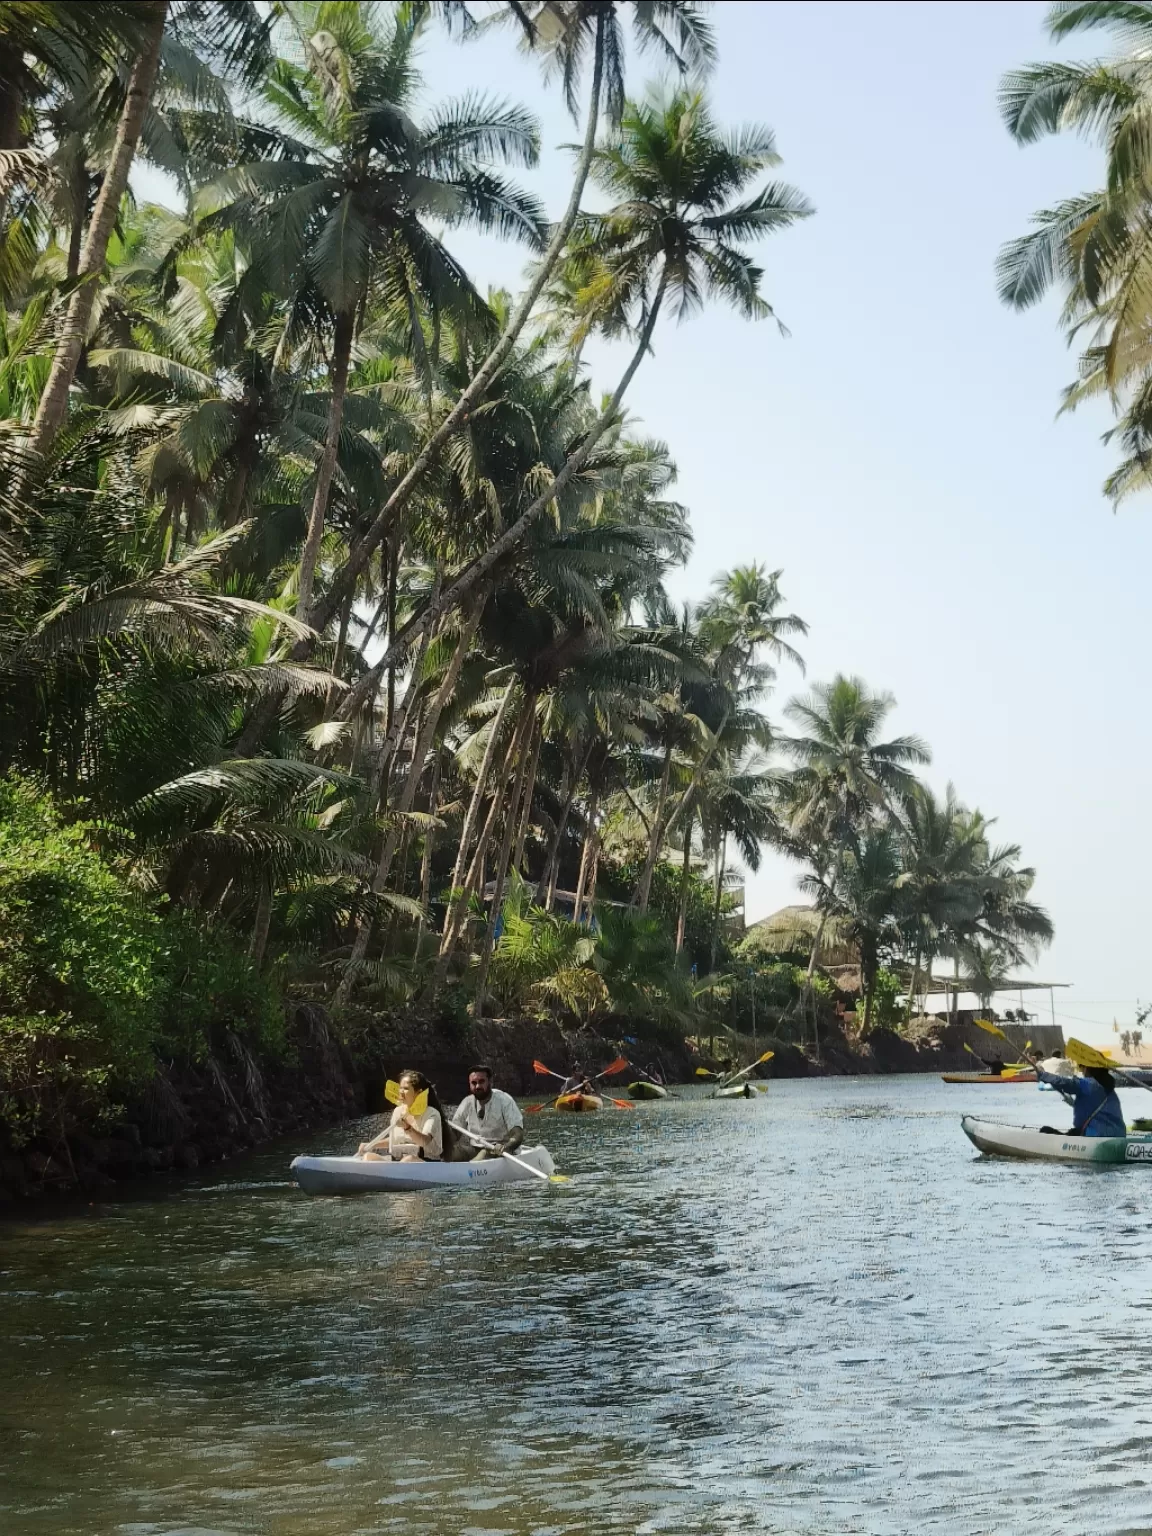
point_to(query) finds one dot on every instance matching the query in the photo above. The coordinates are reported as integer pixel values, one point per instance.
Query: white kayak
(1027, 1141)
(740, 1091)
(358, 1175)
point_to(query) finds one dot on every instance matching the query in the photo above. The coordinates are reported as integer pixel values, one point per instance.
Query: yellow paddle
(1010, 1069)
(743, 1072)
(418, 1105)
(1088, 1056)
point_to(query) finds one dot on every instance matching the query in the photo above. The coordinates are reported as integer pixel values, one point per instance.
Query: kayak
(987, 1077)
(579, 1103)
(741, 1091)
(358, 1175)
(646, 1091)
(1027, 1141)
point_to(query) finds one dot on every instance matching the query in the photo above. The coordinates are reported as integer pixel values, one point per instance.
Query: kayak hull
(579, 1103)
(986, 1079)
(646, 1091)
(742, 1091)
(359, 1176)
(1026, 1141)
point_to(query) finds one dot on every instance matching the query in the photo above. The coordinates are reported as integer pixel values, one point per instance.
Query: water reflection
(815, 1312)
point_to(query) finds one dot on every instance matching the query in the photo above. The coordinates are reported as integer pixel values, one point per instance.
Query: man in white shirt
(490, 1113)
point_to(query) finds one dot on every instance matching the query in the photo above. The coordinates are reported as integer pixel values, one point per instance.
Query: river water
(818, 1312)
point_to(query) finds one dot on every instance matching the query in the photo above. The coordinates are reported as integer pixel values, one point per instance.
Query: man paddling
(491, 1113)
(1095, 1103)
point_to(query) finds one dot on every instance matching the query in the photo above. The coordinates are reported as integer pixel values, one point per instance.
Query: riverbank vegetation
(337, 661)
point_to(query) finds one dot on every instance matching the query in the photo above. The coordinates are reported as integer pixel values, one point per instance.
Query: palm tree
(1094, 246)
(338, 206)
(674, 233)
(235, 38)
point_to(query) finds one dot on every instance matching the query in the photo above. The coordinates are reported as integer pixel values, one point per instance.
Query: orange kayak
(987, 1077)
(579, 1103)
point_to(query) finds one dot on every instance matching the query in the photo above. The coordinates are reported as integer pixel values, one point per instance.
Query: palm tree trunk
(393, 572)
(423, 741)
(913, 984)
(260, 927)
(79, 191)
(586, 854)
(429, 843)
(526, 799)
(644, 885)
(685, 872)
(468, 831)
(458, 417)
(338, 658)
(546, 890)
(721, 857)
(503, 858)
(53, 405)
(341, 361)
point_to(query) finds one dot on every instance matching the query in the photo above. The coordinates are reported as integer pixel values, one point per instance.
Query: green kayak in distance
(646, 1091)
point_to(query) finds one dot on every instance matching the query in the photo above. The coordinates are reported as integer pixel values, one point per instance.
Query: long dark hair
(422, 1085)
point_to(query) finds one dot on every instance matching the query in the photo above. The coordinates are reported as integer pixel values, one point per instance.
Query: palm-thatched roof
(793, 930)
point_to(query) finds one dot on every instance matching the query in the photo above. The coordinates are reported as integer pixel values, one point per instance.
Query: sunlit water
(818, 1312)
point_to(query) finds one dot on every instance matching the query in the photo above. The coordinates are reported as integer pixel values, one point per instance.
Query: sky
(898, 456)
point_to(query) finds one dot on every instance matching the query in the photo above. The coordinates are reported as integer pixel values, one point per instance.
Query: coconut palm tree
(1094, 246)
(674, 234)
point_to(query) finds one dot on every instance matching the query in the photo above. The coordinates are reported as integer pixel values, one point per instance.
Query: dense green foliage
(94, 981)
(333, 607)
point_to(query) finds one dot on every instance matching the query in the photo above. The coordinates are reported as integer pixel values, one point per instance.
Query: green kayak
(646, 1091)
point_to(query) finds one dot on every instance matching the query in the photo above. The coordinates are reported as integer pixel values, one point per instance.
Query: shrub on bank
(94, 981)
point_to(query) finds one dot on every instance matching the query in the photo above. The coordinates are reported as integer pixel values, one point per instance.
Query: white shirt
(492, 1119)
(400, 1144)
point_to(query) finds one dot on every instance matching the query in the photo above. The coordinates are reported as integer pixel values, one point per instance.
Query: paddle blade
(419, 1104)
(991, 1029)
(767, 1056)
(621, 1064)
(392, 1092)
(541, 1070)
(559, 1178)
(704, 1072)
(622, 1103)
(534, 1109)
(1085, 1055)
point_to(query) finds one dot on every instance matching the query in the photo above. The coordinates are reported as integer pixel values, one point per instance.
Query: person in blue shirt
(1095, 1103)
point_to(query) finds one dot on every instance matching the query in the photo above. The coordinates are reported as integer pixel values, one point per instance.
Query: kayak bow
(361, 1175)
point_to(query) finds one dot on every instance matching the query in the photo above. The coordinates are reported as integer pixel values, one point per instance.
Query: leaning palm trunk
(546, 890)
(53, 405)
(527, 798)
(656, 837)
(424, 738)
(468, 831)
(721, 858)
(260, 926)
(586, 855)
(685, 872)
(341, 361)
(503, 857)
(429, 844)
(459, 415)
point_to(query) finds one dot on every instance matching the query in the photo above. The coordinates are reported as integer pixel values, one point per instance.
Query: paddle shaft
(490, 1146)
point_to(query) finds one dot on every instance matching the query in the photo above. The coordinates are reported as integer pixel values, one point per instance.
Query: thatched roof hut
(792, 931)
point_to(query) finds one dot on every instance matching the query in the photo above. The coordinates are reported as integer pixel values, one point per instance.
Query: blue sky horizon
(899, 454)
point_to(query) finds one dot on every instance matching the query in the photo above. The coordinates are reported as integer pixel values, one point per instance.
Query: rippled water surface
(818, 1312)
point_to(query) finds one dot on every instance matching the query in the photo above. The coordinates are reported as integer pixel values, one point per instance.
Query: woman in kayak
(1095, 1103)
(410, 1138)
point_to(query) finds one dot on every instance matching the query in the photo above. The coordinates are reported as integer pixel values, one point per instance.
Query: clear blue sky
(942, 533)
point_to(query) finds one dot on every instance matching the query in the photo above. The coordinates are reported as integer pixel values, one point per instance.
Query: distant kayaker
(994, 1064)
(1095, 1103)
(578, 1082)
(491, 1113)
(410, 1139)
